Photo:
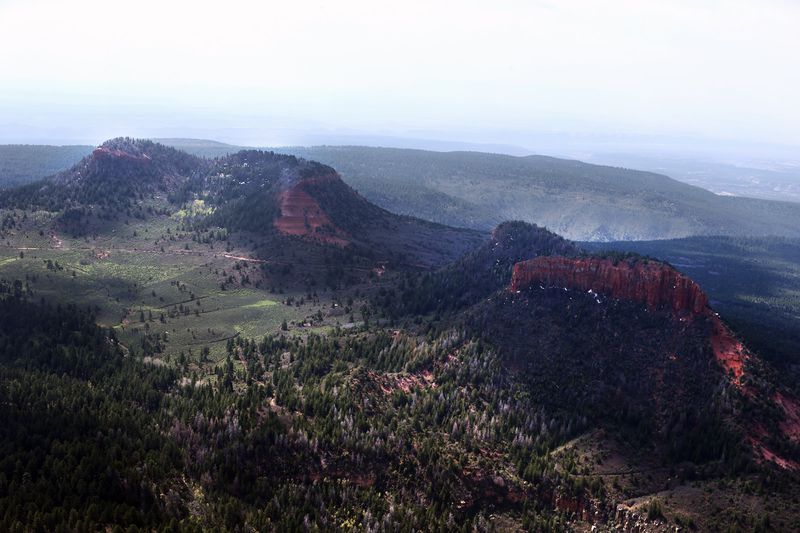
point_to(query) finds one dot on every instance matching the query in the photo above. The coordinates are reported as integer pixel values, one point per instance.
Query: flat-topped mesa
(654, 284)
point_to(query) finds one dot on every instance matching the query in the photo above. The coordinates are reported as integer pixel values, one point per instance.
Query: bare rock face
(301, 214)
(104, 152)
(654, 284)
(659, 286)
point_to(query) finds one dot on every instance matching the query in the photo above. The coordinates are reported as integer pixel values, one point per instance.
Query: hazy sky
(93, 69)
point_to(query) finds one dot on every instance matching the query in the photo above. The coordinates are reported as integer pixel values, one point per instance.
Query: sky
(502, 71)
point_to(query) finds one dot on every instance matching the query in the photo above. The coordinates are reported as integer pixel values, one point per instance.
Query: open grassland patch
(7, 260)
(135, 268)
(261, 303)
(152, 283)
(194, 209)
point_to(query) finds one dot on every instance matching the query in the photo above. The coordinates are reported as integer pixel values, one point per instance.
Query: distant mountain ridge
(264, 193)
(577, 200)
(116, 176)
(23, 163)
(479, 190)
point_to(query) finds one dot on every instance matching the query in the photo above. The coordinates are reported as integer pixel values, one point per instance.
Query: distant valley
(727, 177)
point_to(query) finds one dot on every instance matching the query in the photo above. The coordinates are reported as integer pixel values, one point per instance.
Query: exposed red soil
(786, 464)
(790, 425)
(756, 441)
(487, 486)
(104, 152)
(654, 284)
(301, 215)
(729, 351)
(732, 355)
(389, 383)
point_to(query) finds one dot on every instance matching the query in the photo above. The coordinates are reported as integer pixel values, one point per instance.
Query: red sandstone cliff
(654, 284)
(651, 283)
(662, 287)
(302, 215)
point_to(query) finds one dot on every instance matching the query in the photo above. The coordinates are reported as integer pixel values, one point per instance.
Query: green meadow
(149, 280)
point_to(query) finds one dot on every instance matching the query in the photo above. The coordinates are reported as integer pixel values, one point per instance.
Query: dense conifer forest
(245, 343)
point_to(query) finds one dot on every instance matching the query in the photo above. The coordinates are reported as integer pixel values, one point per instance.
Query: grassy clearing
(140, 279)
(196, 208)
(261, 303)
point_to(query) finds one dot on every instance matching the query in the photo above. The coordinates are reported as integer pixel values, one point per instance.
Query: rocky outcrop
(654, 284)
(659, 286)
(629, 521)
(790, 425)
(729, 351)
(301, 215)
(104, 152)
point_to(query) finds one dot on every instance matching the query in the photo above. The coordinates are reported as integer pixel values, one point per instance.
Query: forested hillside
(575, 199)
(521, 417)
(246, 343)
(480, 190)
(23, 163)
(753, 281)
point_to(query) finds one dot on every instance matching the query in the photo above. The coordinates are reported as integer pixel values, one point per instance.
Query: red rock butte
(660, 286)
(654, 284)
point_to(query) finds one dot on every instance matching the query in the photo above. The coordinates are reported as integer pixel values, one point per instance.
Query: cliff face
(104, 152)
(654, 284)
(661, 287)
(301, 214)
